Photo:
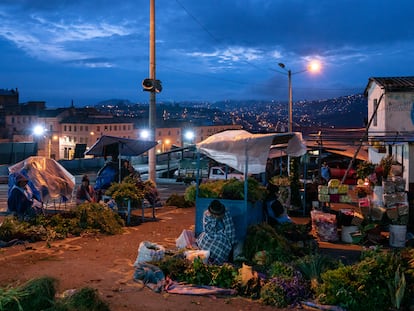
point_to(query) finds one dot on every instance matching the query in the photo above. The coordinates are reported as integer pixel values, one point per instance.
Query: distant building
(9, 103)
(187, 134)
(69, 132)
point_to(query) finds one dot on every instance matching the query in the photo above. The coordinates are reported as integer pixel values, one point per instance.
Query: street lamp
(188, 138)
(40, 131)
(314, 66)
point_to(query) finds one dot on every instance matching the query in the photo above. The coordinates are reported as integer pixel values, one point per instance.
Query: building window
(86, 128)
(98, 129)
(64, 128)
(115, 128)
(124, 127)
(375, 120)
(81, 128)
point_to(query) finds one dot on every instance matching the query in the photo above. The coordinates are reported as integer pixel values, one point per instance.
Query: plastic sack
(148, 251)
(193, 254)
(325, 225)
(185, 240)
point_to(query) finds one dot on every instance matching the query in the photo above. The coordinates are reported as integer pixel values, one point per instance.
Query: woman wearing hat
(85, 192)
(219, 234)
(20, 201)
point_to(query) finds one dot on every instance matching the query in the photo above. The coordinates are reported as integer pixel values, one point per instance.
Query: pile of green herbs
(231, 189)
(284, 274)
(85, 218)
(40, 294)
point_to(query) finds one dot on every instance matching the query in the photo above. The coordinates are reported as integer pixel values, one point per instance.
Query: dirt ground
(106, 264)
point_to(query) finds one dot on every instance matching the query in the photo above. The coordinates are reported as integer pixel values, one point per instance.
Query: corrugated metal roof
(392, 84)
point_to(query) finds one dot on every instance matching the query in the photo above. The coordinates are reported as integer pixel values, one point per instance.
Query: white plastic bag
(193, 254)
(148, 251)
(185, 240)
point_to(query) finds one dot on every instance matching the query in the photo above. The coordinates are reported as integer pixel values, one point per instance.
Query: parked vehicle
(189, 168)
(189, 175)
(217, 172)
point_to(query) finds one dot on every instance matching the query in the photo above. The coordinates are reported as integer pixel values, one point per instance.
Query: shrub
(232, 189)
(84, 299)
(87, 217)
(40, 294)
(312, 266)
(178, 201)
(36, 294)
(281, 269)
(362, 286)
(263, 238)
(284, 291)
(198, 273)
(97, 217)
(124, 190)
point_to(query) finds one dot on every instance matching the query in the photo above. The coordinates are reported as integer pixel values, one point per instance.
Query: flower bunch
(375, 173)
(283, 291)
(283, 181)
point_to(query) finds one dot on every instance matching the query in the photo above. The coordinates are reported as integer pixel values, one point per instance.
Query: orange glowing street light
(314, 66)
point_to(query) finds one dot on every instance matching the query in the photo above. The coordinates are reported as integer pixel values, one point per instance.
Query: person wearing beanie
(85, 192)
(20, 201)
(219, 234)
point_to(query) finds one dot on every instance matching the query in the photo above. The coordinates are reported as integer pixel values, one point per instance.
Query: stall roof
(247, 152)
(106, 145)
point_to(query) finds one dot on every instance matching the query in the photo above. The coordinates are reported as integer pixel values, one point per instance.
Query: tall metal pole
(152, 107)
(290, 100)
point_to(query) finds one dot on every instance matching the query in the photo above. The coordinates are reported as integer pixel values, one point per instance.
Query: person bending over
(20, 201)
(218, 235)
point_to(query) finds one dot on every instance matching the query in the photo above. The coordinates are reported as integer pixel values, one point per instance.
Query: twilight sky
(206, 50)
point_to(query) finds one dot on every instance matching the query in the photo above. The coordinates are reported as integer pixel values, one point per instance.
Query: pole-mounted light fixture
(313, 67)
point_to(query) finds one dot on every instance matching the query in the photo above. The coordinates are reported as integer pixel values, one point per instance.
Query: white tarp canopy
(247, 152)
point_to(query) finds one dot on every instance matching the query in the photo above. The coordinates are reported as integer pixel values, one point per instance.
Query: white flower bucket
(346, 233)
(377, 194)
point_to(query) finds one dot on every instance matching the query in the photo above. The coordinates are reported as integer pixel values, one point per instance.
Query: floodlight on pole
(313, 67)
(41, 131)
(189, 137)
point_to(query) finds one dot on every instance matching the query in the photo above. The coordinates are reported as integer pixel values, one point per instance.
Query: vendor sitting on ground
(279, 214)
(219, 234)
(20, 201)
(85, 192)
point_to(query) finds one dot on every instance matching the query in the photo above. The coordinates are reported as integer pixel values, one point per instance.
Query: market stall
(247, 153)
